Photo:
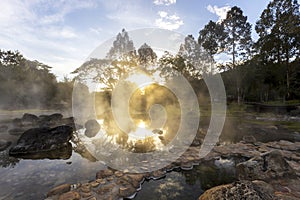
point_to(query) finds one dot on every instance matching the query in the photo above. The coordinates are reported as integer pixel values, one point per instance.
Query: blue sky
(62, 33)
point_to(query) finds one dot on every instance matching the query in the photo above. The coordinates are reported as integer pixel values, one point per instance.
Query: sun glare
(140, 79)
(141, 124)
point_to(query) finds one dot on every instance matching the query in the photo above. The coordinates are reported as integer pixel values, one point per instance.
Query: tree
(278, 29)
(146, 55)
(198, 61)
(237, 41)
(122, 47)
(211, 37)
(120, 61)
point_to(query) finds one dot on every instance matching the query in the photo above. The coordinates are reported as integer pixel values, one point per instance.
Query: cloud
(166, 21)
(164, 2)
(221, 12)
(38, 30)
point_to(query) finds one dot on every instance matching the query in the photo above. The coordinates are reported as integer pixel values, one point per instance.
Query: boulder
(104, 173)
(4, 144)
(3, 128)
(92, 128)
(270, 165)
(59, 189)
(29, 119)
(16, 131)
(42, 139)
(250, 190)
(50, 120)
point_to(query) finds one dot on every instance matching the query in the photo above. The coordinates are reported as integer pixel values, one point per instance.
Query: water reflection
(155, 114)
(186, 185)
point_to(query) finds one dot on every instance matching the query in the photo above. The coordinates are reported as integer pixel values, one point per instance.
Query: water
(31, 179)
(186, 185)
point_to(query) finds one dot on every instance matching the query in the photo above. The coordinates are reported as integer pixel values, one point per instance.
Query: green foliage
(211, 37)
(29, 84)
(237, 41)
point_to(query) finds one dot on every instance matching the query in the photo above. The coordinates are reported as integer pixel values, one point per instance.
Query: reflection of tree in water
(208, 176)
(7, 161)
(169, 189)
(123, 61)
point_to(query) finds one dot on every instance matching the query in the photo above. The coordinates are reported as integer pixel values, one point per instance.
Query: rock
(3, 128)
(256, 190)
(55, 117)
(157, 131)
(16, 131)
(50, 120)
(29, 119)
(59, 190)
(249, 139)
(126, 191)
(4, 144)
(104, 174)
(92, 128)
(266, 167)
(42, 139)
(72, 195)
(106, 189)
(17, 122)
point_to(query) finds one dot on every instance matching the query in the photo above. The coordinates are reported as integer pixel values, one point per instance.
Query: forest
(265, 70)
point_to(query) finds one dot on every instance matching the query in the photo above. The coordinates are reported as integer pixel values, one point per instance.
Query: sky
(63, 33)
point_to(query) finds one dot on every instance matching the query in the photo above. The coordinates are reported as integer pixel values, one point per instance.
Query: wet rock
(59, 190)
(126, 191)
(106, 189)
(256, 190)
(16, 131)
(29, 119)
(158, 174)
(55, 117)
(266, 167)
(17, 122)
(249, 139)
(118, 173)
(42, 139)
(92, 128)
(104, 174)
(3, 128)
(86, 188)
(72, 195)
(4, 144)
(50, 120)
(157, 131)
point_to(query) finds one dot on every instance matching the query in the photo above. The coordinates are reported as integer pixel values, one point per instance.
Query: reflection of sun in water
(141, 124)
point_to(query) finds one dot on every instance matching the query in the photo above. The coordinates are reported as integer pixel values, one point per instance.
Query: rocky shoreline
(264, 170)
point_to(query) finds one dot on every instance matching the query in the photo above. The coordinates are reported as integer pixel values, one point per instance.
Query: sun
(140, 79)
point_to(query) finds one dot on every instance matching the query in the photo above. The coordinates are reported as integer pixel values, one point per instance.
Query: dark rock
(63, 151)
(59, 190)
(17, 122)
(249, 139)
(126, 191)
(72, 195)
(16, 131)
(55, 117)
(3, 128)
(270, 165)
(29, 119)
(42, 139)
(255, 190)
(50, 120)
(104, 173)
(157, 131)
(4, 144)
(92, 128)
